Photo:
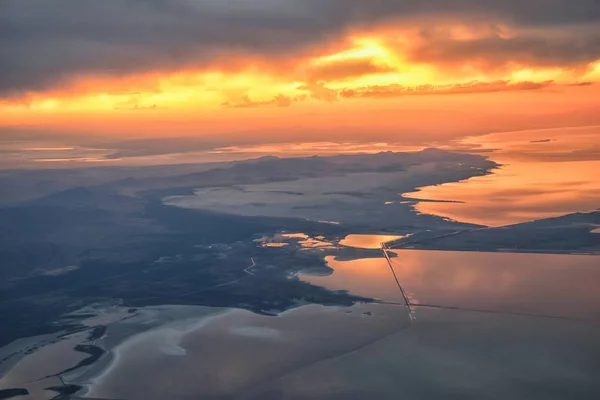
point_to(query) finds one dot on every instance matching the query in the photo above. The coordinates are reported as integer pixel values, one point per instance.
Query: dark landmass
(419, 200)
(71, 238)
(131, 272)
(94, 352)
(26, 185)
(64, 391)
(274, 169)
(115, 246)
(10, 393)
(350, 190)
(96, 332)
(566, 234)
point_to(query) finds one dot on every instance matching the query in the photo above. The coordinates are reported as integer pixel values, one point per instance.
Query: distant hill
(275, 169)
(569, 233)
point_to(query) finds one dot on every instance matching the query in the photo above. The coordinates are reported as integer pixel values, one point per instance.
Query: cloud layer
(46, 44)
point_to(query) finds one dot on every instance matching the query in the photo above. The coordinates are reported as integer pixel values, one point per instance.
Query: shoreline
(102, 368)
(197, 341)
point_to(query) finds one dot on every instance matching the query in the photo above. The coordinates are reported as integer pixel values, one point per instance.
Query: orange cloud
(345, 69)
(319, 91)
(372, 63)
(280, 101)
(459, 88)
(500, 50)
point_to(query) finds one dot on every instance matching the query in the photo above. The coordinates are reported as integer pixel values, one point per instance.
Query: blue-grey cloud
(45, 43)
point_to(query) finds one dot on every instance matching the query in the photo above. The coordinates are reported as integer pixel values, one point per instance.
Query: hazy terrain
(299, 199)
(105, 234)
(264, 235)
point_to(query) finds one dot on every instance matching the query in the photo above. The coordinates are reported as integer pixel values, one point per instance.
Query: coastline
(93, 376)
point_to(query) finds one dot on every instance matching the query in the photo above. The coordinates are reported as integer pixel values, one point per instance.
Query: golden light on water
(543, 174)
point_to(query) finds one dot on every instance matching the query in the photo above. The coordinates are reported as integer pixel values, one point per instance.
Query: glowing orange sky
(362, 73)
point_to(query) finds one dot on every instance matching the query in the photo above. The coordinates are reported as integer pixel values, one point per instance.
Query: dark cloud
(541, 141)
(499, 52)
(45, 43)
(535, 13)
(581, 84)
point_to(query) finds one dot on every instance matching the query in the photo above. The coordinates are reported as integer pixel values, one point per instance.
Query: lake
(544, 173)
(484, 325)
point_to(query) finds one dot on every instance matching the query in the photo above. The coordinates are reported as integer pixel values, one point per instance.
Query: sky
(120, 79)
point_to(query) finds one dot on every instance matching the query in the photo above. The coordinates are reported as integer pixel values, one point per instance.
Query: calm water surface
(544, 284)
(237, 353)
(544, 173)
(490, 325)
(367, 241)
(485, 325)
